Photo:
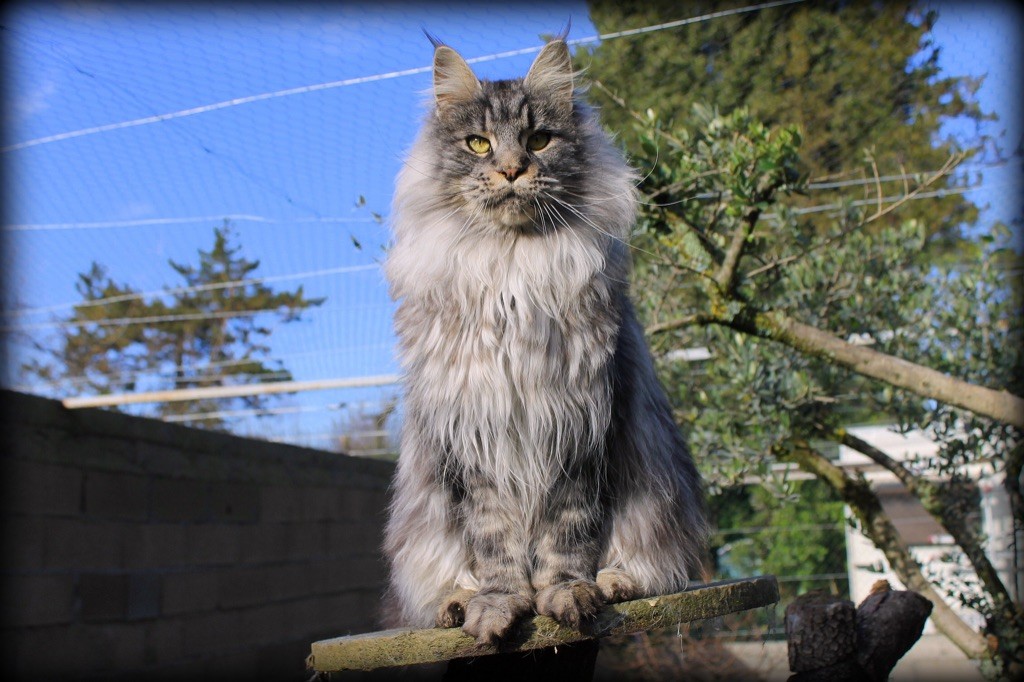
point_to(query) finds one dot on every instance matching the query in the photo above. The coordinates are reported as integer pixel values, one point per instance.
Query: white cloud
(38, 99)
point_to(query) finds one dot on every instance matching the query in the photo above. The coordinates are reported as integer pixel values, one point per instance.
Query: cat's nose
(512, 172)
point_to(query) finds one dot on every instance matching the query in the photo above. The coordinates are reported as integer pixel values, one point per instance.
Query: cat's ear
(454, 81)
(551, 73)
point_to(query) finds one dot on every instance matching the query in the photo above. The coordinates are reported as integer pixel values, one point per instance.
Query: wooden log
(821, 631)
(410, 647)
(830, 641)
(889, 622)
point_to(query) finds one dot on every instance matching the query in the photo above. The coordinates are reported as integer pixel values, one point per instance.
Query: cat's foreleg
(499, 543)
(657, 525)
(568, 549)
(424, 538)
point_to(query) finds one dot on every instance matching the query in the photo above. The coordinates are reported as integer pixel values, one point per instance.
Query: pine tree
(211, 330)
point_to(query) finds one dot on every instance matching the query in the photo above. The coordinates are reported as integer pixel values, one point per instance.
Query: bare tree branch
(948, 167)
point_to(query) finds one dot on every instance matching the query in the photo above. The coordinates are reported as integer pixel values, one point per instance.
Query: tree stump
(821, 631)
(830, 640)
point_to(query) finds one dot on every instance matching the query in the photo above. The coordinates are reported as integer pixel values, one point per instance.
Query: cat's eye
(477, 144)
(538, 141)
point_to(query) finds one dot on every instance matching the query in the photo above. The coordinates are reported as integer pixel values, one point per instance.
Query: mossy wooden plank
(409, 647)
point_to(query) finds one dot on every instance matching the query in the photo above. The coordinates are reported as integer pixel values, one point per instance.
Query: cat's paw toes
(617, 586)
(452, 611)
(570, 603)
(490, 616)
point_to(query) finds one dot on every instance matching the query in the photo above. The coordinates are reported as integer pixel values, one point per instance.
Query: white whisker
(579, 214)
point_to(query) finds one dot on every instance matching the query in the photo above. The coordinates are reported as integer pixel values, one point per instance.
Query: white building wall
(866, 564)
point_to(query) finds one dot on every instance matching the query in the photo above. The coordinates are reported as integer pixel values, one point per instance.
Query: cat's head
(512, 151)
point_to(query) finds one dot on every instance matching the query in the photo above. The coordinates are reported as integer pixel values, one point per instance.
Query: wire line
(237, 101)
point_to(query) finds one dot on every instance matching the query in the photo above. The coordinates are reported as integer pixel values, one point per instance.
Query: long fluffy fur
(527, 377)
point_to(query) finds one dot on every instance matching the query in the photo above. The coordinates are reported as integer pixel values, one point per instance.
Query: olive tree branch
(1001, 406)
(878, 527)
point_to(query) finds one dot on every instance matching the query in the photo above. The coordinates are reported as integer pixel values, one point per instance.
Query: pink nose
(512, 172)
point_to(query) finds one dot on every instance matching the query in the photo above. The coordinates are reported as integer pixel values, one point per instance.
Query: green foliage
(212, 330)
(775, 225)
(958, 317)
(761, 533)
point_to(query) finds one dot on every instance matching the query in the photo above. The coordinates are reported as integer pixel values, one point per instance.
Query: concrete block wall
(136, 549)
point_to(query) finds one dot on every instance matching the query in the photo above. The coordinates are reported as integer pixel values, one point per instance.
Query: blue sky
(326, 111)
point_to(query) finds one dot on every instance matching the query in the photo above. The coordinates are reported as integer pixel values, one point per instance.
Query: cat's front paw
(617, 586)
(490, 616)
(452, 611)
(570, 603)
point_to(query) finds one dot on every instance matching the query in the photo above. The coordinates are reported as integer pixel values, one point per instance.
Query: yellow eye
(479, 145)
(538, 141)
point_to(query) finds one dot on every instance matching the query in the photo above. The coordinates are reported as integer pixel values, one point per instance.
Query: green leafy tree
(211, 330)
(726, 263)
(860, 80)
(806, 214)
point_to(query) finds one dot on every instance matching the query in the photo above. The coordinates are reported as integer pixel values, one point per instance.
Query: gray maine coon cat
(540, 467)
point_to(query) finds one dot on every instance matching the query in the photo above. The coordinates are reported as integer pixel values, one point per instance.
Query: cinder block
(359, 504)
(212, 544)
(155, 545)
(116, 496)
(292, 581)
(28, 442)
(347, 613)
(191, 591)
(239, 502)
(307, 540)
(286, 661)
(121, 597)
(104, 596)
(210, 632)
(238, 587)
(41, 489)
(265, 623)
(264, 543)
(107, 452)
(302, 617)
(356, 536)
(163, 642)
(323, 504)
(33, 600)
(84, 650)
(280, 503)
(24, 542)
(162, 460)
(175, 499)
(144, 596)
(353, 572)
(236, 665)
(125, 644)
(83, 545)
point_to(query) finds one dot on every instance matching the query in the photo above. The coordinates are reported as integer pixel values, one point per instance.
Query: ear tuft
(434, 40)
(551, 73)
(454, 81)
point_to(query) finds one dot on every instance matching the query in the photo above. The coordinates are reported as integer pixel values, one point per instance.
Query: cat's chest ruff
(508, 307)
